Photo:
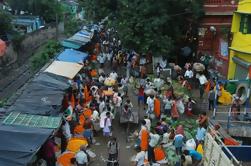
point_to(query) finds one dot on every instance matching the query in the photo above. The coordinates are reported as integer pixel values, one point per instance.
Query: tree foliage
(155, 25)
(5, 22)
(44, 8)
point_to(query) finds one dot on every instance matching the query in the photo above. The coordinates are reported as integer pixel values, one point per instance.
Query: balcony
(214, 2)
(220, 7)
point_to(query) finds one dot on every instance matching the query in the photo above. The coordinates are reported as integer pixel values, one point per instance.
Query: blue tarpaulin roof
(69, 55)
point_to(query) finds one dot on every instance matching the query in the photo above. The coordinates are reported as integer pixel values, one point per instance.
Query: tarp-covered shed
(65, 69)
(42, 96)
(79, 39)
(19, 144)
(69, 55)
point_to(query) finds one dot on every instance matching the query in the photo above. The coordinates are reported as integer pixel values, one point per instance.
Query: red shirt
(141, 92)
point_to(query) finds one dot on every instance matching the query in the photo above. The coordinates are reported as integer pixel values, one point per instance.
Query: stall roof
(42, 96)
(69, 55)
(71, 44)
(65, 69)
(18, 144)
(78, 39)
(29, 120)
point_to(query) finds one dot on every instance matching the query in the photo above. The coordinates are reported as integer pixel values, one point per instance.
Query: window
(245, 25)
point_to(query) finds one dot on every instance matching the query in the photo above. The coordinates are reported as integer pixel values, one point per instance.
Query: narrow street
(126, 148)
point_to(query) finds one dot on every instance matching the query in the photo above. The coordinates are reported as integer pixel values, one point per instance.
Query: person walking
(82, 157)
(113, 151)
(154, 139)
(211, 97)
(167, 106)
(107, 125)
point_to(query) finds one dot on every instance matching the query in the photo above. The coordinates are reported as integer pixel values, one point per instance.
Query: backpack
(113, 147)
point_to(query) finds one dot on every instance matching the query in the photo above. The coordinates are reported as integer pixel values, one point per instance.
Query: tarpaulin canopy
(78, 39)
(19, 144)
(65, 69)
(42, 96)
(69, 55)
(29, 120)
(2, 48)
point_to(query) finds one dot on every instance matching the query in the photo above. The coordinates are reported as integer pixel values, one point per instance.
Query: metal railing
(220, 143)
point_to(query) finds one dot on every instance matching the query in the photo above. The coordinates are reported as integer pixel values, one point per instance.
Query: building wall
(218, 14)
(240, 46)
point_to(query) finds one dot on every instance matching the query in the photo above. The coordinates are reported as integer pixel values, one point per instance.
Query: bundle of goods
(199, 67)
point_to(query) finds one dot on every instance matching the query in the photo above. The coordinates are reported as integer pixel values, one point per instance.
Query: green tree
(156, 25)
(98, 9)
(5, 22)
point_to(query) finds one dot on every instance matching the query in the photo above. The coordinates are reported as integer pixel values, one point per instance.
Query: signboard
(213, 154)
(223, 48)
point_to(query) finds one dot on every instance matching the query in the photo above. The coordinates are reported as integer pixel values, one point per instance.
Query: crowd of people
(94, 99)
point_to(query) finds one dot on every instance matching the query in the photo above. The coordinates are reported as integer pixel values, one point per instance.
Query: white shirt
(140, 158)
(81, 157)
(66, 130)
(154, 139)
(101, 106)
(118, 101)
(114, 75)
(107, 124)
(102, 119)
(95, 115)
(123, 81)
(163, 64)
(202, 79)
(142, 61)
(101, 79)
(148, 124)
(150, 101)
(189, 74)
(101, 59)
(165, 138)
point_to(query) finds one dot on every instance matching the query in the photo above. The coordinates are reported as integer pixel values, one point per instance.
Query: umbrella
(65, 158)
(74, 144)
(150, 92)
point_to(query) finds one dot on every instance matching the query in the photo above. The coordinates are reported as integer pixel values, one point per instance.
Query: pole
(248, 99)
(228, 119)
(215, 99)
(57, 20)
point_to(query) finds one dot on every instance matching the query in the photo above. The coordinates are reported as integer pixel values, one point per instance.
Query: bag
(113, 147)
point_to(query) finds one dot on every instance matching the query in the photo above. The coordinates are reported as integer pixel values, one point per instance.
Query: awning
(243, 12)
(69, 55)
(65, 69)
(79, 39)
(71, 44)
(29, 120)
(242, 49)
(2, 48)
(42, 96)
(241, 62)
(19, 144)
